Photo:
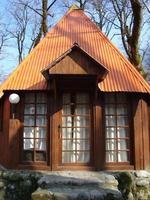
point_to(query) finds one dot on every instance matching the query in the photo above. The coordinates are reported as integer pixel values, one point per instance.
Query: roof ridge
(74, 7)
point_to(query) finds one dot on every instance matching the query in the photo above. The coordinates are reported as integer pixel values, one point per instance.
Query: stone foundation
(27, 185)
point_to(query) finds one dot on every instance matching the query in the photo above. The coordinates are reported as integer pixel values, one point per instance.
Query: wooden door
(75, 129)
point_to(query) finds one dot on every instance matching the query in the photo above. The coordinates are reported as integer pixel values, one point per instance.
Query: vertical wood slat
(6, 116)
(55, 136)
(145, 128)
(141, 134)
(14, 126)
(137, 132)
(99, 141)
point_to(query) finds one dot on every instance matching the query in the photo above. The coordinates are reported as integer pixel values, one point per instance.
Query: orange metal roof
(76, 27)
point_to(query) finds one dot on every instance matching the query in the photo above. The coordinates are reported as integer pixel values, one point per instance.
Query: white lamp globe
(14, 98)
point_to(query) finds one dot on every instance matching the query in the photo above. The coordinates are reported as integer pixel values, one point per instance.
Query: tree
(43, 13)
(129, 15)
(101, 15)
(19, 31)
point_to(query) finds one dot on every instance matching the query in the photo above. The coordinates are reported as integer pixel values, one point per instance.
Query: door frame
(57, 141)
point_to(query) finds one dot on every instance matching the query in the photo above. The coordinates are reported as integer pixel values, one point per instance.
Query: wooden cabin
(83, 106)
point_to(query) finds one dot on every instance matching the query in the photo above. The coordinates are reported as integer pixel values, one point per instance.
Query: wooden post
(14, 126)
(141, 134)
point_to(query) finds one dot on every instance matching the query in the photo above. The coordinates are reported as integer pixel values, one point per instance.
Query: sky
(9, 61)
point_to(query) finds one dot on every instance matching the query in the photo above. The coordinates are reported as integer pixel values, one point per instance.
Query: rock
(1, 184)
(61, 196)
(2, 195)
(2, 167)
(130, 196)
(142, 183)
(42, 195)
(111, 181)
(142, 174)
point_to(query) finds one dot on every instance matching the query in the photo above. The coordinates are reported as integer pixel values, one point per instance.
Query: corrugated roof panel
(75, 26)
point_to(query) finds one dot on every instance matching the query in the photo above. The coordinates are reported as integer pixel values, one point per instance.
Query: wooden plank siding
(76, 63)
(99, 143)
(4, 136)
(10, 148)
(145, 126)
(141, 133)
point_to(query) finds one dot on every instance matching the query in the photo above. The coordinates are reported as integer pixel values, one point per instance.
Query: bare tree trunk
(136, 30)
(43, 28)
(129, 14)
(44, 16)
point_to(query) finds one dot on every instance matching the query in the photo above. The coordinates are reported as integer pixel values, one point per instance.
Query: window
(76, 128)
(116, 128)
(35, 127)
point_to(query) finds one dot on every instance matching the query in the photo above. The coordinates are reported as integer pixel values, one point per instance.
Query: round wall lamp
(14, 99)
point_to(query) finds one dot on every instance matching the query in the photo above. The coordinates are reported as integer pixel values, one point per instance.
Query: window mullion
(35, 95)
(116, 127)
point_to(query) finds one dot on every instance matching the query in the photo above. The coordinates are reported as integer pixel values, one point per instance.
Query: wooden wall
(77, 63)
(140, 130)
(141, 133)
(4, 134)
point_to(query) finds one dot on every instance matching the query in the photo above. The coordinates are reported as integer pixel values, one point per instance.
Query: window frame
(46, 126)
(73, 95)
(128, 138)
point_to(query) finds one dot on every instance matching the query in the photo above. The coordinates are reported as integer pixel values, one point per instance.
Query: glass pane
(67, 132)
(66, 98)
(122, 132)
(40, 144)
(121, 98)
(122, 156)
(30, 98)
(110, 132)
(83, 157)
(111, 156)
(40, 156)
(121, 110)
(110, 110)
(41, 121)
(122, 145)
(28, 120)
(29, 109)
(82, 98)
(28, 143)
(66, 110)
(40, 132)
(68, 157)
(41, 98)
(28, 155)
(109, 98)
(69, 144)
(41, 109)
(110, 121)
(82, 110)
(111, 144)
(67, 121)
(28, 132)
(82, 132)
(81, 121)
(83, 145)
(122, 121)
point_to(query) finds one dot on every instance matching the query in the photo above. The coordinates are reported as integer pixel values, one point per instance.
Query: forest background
(23, 23)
